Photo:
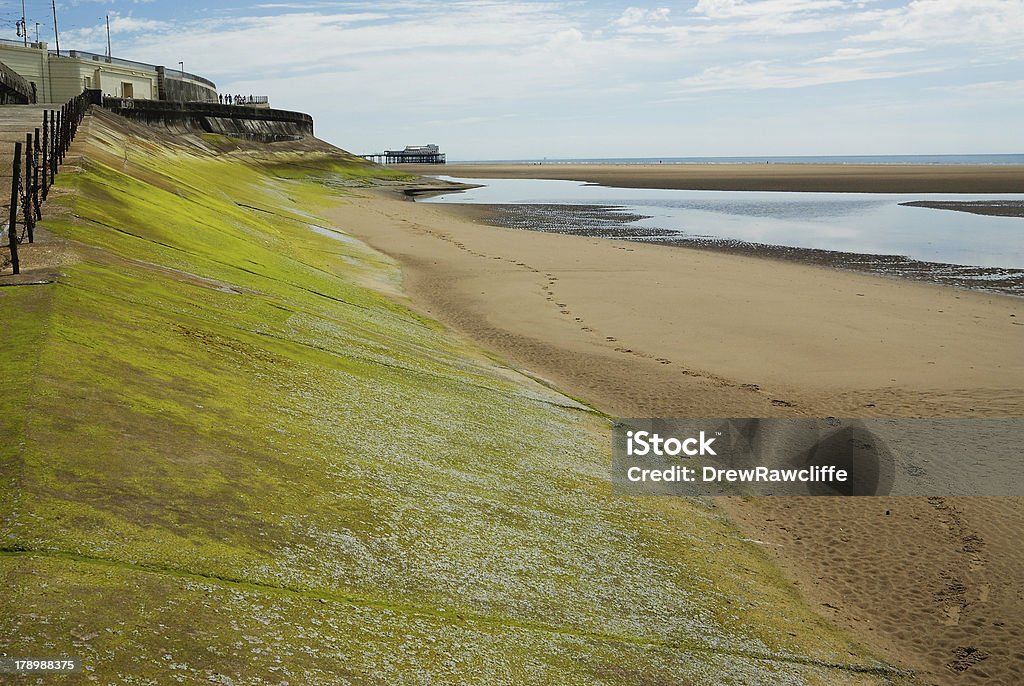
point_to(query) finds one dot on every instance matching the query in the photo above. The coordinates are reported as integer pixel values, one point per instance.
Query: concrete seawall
(252, 123)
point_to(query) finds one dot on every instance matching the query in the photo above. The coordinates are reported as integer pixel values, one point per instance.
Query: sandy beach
(835, 178)
(646, 330)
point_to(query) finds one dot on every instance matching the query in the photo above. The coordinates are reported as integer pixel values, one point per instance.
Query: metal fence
(36, 163)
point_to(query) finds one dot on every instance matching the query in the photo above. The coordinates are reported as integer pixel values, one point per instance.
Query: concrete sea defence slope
(238, 121)
(232, 454)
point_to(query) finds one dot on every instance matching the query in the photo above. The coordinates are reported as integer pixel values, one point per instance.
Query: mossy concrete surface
(232, 454)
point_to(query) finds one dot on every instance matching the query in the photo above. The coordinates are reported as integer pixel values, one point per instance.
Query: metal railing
(96, 57)
(245, 100)
(42, 155)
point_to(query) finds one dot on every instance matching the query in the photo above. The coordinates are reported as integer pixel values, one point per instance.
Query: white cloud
(979, 22)
(93, 36)
(121, 24)
(638, 16)
(863, 54)
(997, 90)
(718, 21)
(732, 9)
(764, 75)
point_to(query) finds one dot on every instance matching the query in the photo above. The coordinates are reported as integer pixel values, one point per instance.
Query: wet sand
(648, 330)
(614, 222)
(992, 208)
(833, 178)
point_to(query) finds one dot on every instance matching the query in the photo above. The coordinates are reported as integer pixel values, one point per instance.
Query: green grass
(227, 453)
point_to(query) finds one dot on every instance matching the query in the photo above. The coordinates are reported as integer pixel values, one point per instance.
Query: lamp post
(56, 34)
(182, 65)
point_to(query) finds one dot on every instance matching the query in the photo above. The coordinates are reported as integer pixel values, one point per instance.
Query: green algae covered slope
(233, 455)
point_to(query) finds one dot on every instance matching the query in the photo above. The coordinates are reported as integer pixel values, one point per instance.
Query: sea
(1004, 159)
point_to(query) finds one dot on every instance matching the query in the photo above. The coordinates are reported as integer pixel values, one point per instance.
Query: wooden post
(26, 196)
(45, 159)
(35, 174)
(12, 226)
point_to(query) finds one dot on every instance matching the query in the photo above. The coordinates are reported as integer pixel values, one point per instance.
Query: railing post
(53, 145)
(60, 134)
(26, 192)
(12, 226)
(63, 121)
(35, 174)
(56, 143)
(45, 159)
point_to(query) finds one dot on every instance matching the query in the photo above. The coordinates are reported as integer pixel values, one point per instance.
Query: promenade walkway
(15, 122)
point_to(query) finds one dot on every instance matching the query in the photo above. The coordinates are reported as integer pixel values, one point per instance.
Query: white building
(57, 79)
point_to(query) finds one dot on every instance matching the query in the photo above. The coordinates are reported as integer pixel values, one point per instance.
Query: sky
(519, 80)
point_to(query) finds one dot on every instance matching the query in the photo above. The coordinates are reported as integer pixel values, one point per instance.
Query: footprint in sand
(952, 599)
(952, 615)
(610, 338)
(965, 657)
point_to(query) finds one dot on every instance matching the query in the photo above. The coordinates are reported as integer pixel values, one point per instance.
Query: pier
(412, 154)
